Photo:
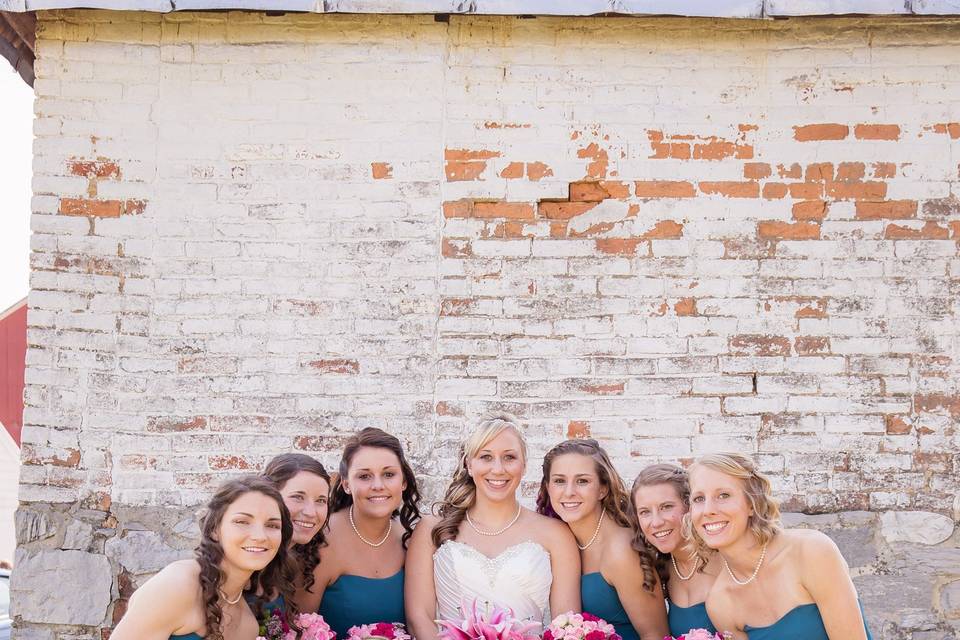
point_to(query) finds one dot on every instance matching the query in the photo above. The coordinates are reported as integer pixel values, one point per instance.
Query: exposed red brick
(897, 426)
(949, 128)
(618, 246)
(381, 170)
(686, 307)
(732, 189)
(774, 191)
(558, 229)
(719, 149)
(930, 231)
(664, 189)
(850, 171)
(93, 208)
(448, 409)
(469, 154)
(756, 170)
(819, 172)
(229, 462)
(884, 170)
(806, 190)
(101, 169)
(538, 170)
(587, 192)
(512, 171)
(888, 209)
(811, 345)
(877, 132)
(508, 210)
(593, 230)
(777, 230)
(664, 230)
(133, 207)
(759, 345)
(937, 403)
(857, 190)
(175, 424)
(814, 132)
(793, 172)
(451, 248)
(609, 389)
(812, 307)
(461, 171)
(810, 210)
(563, 210)
(457, 306)
(458, 209)
(349, 367)
(578, 429)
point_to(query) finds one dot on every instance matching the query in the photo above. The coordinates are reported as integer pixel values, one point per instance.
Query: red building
(13, 352)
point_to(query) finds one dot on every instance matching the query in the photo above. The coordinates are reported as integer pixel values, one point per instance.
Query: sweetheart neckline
(747, 627)
(499, 555)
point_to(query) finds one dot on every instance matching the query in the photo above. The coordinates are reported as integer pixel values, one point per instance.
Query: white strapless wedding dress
(519, 578)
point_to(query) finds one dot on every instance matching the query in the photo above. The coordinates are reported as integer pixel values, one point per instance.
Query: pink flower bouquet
(378, 631)
(313, 626)
(580, 626)
(697, 634)
(493, 624)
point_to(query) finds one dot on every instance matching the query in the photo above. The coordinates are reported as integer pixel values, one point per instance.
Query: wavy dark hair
(653, 475)
(276, 576)
(409, 511)
(616, 502)
(279, 471)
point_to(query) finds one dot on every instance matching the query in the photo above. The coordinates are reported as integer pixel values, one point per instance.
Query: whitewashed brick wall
(254, 234)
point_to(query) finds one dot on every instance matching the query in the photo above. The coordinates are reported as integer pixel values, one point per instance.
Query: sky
(16, 140)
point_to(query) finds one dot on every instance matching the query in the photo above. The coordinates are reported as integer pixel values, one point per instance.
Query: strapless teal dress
(682, 619)
(353, 600)
(800, 623)
(189, 636)
(601, 599)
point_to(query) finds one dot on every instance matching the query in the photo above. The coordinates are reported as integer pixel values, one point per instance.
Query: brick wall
(256, 234)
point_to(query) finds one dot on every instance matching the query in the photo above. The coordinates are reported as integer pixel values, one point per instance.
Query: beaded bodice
(518, 578)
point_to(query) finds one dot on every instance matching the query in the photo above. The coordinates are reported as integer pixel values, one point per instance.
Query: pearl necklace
(676, 568)
(763, 552)
(603, 512)
(494, 533)
(357, 531)
(228, 600)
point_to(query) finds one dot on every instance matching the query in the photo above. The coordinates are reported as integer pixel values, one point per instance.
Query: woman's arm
(824, 574)
(419, 591)
(323, 574)
(647, 610)
(721, 612)
(565, 565)
(163, 606)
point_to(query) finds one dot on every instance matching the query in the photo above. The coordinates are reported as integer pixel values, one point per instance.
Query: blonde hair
(461, 493)
(764, 523)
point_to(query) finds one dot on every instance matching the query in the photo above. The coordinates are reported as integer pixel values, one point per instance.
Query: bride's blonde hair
(462, 492)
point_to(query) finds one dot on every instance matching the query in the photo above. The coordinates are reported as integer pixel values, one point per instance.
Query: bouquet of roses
(493, 624)
(312, 625)
(379, 631)
(580, 626)
(698, 634)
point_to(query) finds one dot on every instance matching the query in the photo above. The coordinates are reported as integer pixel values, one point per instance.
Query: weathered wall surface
(256, 234)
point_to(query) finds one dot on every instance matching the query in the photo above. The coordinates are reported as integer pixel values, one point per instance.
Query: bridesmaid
(305, 487)
(359, 578)
(245, 529)
(783, 584)
(661, 497)
(619, 583)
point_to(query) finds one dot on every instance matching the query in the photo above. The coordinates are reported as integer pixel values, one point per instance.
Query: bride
(484, 546)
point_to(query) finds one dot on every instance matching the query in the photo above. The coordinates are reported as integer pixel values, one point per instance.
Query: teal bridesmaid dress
(800, 623)
(601, 599)
(189, 636)
(682, 619)
(354, 600)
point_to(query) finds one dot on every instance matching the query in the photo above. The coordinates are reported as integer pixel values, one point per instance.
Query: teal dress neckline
(803, 622)
(354, 600)
(189, 636)
(683, 619)
(600, 598)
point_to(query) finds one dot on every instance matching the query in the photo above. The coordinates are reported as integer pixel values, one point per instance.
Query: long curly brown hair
(277, 576)
(653, 475)
(616, 502)
(409, 511)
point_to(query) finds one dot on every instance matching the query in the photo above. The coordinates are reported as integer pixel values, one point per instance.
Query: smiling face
(574, 487)
(498, 466)
(719, 507)
(250, 531)
(375, 481)
(306, 495)
(660, 515)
